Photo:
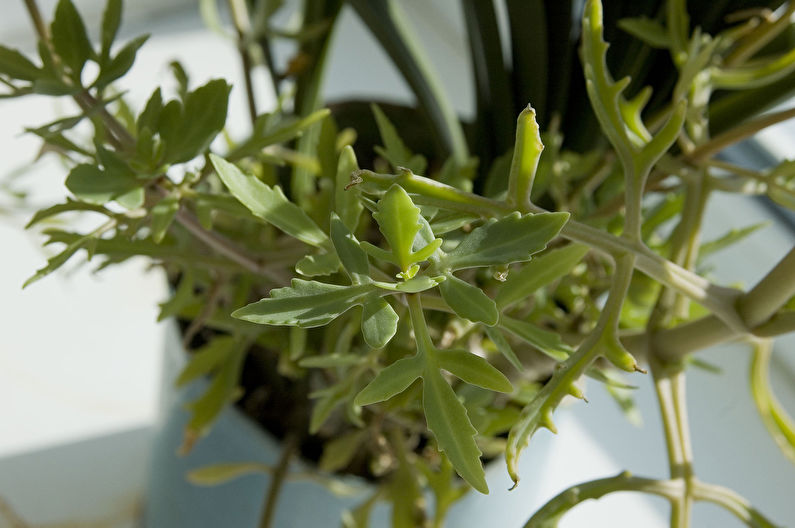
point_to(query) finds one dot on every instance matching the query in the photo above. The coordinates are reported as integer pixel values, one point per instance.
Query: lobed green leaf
(512, 238)
(306, 304)
(188, 129)
(379, 321)
(353, 258)
(96, 186)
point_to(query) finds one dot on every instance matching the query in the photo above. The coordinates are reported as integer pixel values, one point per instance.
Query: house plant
(437, 267)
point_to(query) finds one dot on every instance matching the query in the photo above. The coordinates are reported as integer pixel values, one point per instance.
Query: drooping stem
(596, 489)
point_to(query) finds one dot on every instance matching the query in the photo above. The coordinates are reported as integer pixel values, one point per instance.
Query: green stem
(290, 444)
(558, 506)
(733, 503)
(770, 293)
(757, 39)
(242, 23)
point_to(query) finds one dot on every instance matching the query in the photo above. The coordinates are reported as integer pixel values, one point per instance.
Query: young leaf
(526, 154)
(121, 63)
(649, 31)
(163, 214)
(545, 341)
(468, 301)
(379, 321)
(94, 185)
(17, 66)
(413, 285)
(188, 132)
(269, 203)
(286, 132)
(503, 347)
(538, 273)
(346, 202)
(399, 221)
(473, 369)
(448, 421)
(392, 380)
(512, 238)
(69, 38)
(150, 115)
(306, 304)
(396, 152)
(353, 258)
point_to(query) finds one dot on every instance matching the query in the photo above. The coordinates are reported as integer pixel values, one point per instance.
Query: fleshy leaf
(473, 369)
(392, 380)
(399, 221)
(306, 304)
(526, 154)
(468, 301)
(413, 285)
(448, 421)
(379, 321)
(269, 203)
(512, 238)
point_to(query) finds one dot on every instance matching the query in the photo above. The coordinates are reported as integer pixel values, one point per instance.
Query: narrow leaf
(512, 238)
(396, 152)
(121, 63)
(111, 20)
(17, 66)
(468, 301)
(391, 381)
(163, 214)
(353, 258)
(538, 273)
(448, 421)
(269, 203)
(503, 347)
(473, 369)
(647, 30)
(222, 473)
(306, 304)
(545, 341)
(346, 201)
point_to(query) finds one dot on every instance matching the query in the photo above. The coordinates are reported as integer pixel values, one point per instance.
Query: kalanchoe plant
(435, 311)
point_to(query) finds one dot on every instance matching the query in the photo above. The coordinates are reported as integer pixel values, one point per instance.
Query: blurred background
(81, 352)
